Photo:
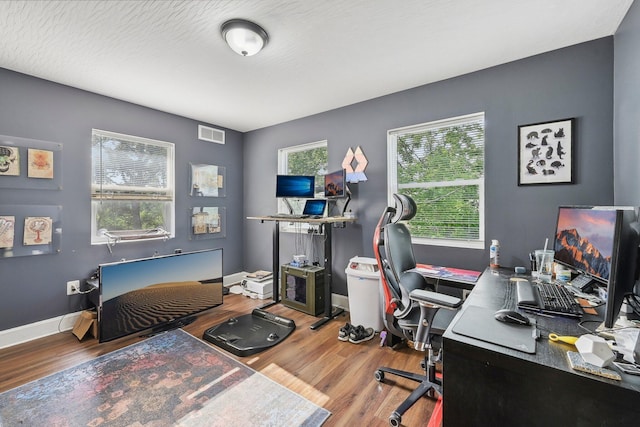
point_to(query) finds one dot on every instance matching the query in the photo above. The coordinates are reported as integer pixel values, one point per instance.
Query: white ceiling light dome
(244, 37)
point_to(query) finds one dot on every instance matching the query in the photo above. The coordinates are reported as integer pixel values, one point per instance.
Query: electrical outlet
(73, 287)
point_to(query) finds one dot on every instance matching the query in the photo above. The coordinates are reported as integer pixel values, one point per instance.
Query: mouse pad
(479, 323)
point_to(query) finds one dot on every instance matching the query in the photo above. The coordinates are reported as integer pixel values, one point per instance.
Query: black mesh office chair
(411, 305)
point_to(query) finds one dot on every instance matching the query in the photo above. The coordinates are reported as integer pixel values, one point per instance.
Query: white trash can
(363, 286)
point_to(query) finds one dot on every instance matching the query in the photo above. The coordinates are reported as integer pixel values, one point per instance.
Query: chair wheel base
(379, 375)
(395, 420)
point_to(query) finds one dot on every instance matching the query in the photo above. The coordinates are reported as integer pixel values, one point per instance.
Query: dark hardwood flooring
(314, 363)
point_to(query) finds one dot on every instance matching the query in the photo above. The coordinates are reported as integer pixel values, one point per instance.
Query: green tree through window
(441, 166)
(304, 159)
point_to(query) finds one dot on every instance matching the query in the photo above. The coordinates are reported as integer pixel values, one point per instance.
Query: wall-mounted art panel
(208, 222)
(30, 164)
(207, 181)
(27, 230)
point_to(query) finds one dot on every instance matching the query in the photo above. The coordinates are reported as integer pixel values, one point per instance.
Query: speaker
(595, 350)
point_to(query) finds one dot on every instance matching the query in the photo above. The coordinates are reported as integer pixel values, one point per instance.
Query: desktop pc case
(302, 288)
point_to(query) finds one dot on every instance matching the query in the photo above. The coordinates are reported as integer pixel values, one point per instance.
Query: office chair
(411, 305)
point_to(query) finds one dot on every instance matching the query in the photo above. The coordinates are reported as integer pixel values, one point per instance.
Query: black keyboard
(548, 298)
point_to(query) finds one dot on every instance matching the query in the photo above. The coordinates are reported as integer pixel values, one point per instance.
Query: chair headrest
(405, 208)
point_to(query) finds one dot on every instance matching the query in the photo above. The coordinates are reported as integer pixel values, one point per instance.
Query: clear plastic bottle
(494, 254)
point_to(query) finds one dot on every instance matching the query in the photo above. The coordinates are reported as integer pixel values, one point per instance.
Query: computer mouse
(511, 316)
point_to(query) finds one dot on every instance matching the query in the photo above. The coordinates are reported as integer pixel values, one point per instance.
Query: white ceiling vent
(210, 134)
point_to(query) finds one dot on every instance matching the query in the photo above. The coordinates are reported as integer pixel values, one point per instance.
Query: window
(304, 159)
(132, 188)
(441, 166)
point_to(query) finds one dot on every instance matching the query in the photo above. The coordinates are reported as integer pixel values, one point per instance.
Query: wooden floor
(314, 363)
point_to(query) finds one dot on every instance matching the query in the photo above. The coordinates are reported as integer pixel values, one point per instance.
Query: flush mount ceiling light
(244, 37)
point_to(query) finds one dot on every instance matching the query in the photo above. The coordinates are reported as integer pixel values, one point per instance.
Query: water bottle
(494, 254)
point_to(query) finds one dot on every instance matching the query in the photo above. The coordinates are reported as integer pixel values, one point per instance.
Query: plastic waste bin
(363, 286)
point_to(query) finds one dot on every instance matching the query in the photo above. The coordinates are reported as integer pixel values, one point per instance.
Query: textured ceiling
(322, 54)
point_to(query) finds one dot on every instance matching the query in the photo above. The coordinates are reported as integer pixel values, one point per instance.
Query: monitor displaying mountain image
(585, 238)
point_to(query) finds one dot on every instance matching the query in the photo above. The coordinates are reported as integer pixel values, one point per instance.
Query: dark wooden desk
(327, 224)
(486, 384)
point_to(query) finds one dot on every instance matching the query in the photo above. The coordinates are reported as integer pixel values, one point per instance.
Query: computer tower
(302, 288)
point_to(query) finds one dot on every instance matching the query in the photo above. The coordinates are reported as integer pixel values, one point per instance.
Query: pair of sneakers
(355, 334)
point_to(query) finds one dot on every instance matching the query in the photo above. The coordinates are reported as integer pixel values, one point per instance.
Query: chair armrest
(435, 299)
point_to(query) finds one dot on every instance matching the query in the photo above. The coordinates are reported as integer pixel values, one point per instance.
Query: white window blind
(132, 186)
(127, 167)
(441, 166)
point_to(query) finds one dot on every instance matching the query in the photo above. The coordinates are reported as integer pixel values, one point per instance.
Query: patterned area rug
(172, 379)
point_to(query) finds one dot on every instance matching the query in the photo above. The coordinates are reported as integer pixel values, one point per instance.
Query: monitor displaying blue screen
(314, 207)
(295, 186)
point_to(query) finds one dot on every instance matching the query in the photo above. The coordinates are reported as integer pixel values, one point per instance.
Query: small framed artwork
(40, 163)
(545, 153)
(9, 161)
(37, 230)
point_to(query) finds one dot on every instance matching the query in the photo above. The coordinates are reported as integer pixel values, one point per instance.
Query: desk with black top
(327, 224)
(488, 384)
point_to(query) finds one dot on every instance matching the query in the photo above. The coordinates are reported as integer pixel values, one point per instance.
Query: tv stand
(174, 324)
(326, 225)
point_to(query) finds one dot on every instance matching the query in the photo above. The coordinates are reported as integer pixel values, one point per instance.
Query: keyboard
(547, 298)
(289, 216)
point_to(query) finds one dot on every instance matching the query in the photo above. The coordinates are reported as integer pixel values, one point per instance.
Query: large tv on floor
(150, 295)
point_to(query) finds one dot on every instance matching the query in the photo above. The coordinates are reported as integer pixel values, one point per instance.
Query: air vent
(210, 134)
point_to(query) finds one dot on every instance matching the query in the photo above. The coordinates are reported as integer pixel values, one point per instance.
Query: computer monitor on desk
(601, 243)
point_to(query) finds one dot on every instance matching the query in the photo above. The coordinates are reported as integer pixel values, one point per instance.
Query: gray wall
(627, 109)
(34, 288)
(571, 82)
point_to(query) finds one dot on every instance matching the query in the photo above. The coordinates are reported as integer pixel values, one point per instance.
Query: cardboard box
(87, 321)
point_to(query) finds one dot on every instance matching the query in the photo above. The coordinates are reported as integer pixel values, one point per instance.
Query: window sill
(466, 244)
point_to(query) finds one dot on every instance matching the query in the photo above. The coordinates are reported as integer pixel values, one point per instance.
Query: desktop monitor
(624, 268)
(584, 240)
(302, 186)
(335, 184)
(157, 293)
(600, 242)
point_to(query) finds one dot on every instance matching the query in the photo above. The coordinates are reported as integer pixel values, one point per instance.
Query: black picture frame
(545, 152)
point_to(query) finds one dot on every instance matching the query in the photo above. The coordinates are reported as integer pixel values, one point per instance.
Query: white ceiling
(322, 54)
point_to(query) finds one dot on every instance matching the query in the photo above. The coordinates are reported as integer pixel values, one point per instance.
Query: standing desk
(326, 224)
(487, 384)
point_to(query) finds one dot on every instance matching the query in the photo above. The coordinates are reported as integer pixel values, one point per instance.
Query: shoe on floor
(345, 332)
(361, 334)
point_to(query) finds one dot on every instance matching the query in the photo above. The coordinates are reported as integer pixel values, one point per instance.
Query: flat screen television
(335, 184)
(159, 293)
(302, 186)
(602, 243)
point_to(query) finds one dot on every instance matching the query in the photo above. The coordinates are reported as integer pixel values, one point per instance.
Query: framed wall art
(545, 152)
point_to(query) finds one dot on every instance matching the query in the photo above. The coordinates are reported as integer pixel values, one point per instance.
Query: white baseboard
(233, 279)
(32, 331)
(341, 301)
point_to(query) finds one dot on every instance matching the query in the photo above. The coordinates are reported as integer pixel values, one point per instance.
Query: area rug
(171, 379)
